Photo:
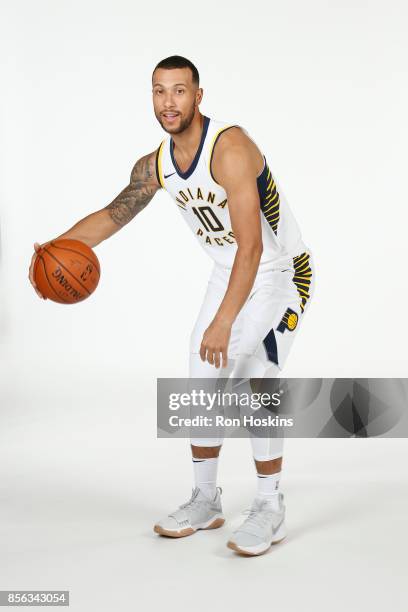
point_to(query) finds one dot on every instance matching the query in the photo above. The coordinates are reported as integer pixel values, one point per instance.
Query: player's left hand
(214, 345)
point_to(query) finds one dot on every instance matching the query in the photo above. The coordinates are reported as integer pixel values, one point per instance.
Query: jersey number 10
(208, 218)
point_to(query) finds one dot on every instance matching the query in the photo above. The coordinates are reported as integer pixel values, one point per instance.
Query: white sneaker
(199, 512)
(264, 526)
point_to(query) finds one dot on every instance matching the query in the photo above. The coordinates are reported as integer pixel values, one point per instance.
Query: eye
(180, 91)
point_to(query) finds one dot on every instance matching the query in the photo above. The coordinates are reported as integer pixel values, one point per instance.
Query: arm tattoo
(137, 194)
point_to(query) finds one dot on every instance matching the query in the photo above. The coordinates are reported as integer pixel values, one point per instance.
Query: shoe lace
(192, 501)
(257, 516)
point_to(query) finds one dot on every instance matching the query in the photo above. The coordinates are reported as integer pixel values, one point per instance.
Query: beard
(184, 123)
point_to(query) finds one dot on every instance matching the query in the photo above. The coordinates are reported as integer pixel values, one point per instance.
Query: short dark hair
(177, 61)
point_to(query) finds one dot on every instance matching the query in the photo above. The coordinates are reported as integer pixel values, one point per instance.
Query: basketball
(66, 271)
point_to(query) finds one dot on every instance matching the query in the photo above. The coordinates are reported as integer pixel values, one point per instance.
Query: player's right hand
(37, 248)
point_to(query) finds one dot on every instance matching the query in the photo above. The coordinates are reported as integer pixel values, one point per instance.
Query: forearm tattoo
(137, 194)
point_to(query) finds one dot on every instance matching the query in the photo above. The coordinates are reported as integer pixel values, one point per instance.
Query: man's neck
(187, 142)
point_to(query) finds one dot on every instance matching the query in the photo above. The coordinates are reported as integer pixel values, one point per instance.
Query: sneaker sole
(280, 535)
(218, 522)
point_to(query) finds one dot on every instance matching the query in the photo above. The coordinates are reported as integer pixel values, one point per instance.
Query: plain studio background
(321, 87)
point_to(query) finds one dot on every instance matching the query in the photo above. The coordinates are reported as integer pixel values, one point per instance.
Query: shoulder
(145, 169)
(235, 151)
(232, 135)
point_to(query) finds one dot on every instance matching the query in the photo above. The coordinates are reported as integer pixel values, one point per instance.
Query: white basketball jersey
(204, 206)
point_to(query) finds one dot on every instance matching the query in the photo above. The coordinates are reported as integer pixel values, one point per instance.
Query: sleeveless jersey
(204, 206)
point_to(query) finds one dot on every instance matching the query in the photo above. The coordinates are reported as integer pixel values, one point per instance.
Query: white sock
(205, 475)
(268, 485)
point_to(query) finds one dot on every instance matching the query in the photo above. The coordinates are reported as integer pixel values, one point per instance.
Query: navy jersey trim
(190, 170)
(269, 198)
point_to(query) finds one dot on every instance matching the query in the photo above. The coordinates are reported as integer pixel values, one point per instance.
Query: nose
(168, 102)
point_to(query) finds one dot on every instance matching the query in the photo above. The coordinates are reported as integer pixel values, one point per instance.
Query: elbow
(258, 250)
(252, 251)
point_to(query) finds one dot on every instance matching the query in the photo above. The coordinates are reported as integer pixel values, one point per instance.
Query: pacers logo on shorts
(289, 321)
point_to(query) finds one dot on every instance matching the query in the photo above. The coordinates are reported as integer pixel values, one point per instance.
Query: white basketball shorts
(267, 324)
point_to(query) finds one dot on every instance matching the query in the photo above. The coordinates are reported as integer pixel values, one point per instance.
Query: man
(261, 283)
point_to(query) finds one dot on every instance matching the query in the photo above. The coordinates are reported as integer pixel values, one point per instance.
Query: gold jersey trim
(159, 164)
(212, 145)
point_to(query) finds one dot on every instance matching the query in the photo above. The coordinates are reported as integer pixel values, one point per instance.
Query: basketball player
(259, 290)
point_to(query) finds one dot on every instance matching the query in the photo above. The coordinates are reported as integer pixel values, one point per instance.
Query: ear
(199, 95)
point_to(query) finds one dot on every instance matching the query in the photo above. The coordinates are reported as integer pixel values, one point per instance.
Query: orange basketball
(66, 271)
